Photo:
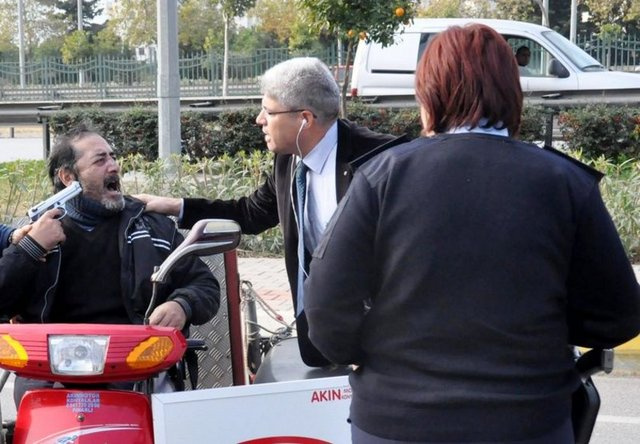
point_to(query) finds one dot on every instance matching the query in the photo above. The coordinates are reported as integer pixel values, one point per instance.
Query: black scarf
(87, 212)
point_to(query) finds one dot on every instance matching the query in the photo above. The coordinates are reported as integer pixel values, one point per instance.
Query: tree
(76, 46)
(66, 11)
(230, 10)
(523, 10)
(135, 21)
(106, 42)
(37, 25)
(52, 47)
(199, 22)
(605, 13)
(277, 17)
(374, 20)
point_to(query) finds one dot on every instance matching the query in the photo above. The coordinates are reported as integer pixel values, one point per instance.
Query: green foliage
(227, 177)
(377, 19)
(51, 47)
(385, 120)
(76, 46)
(235, 8)
(23, 183)
(620, 189)
(136, 130)
(199, 22)
(407, 120)
(596, 130)
(107, 42)
(534, 123)
(214, 135)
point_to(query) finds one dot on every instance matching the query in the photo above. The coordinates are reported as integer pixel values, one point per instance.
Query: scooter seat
(283, 363)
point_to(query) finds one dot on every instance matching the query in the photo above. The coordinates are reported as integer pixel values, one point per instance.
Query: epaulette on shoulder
(356, 163)
(595, 173)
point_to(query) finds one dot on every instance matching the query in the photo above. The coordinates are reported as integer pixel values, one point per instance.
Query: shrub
(23, 183)
(613, 132)
(534, 123)
(208, 135)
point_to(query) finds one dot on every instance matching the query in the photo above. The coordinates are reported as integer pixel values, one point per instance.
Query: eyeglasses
(275, 113)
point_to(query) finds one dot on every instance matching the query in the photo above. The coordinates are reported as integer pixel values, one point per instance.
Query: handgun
(58, 200)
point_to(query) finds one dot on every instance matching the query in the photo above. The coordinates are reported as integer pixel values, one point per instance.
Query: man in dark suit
(299, 119)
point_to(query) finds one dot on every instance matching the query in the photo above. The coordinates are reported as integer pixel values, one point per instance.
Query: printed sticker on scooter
(83, 402)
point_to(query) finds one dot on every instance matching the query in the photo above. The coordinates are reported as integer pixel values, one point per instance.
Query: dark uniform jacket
(480, 259)
(28, 287)
(274, 202)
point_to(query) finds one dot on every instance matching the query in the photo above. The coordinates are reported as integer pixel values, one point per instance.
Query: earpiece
(304, 121)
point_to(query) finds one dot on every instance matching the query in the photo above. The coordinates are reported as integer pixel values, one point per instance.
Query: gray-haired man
(299, 119)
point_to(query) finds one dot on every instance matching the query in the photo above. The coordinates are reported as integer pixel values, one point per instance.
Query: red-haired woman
(479, 259)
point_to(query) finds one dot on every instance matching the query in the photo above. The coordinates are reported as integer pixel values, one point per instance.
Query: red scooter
(85, 356)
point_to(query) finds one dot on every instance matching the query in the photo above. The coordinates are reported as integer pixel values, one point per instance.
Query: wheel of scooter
(283, 363)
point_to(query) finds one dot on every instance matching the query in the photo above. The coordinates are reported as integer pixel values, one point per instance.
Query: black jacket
(271, 204)
(481, 259)
(28, 287)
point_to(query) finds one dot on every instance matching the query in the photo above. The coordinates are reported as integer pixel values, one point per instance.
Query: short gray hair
(303, 83)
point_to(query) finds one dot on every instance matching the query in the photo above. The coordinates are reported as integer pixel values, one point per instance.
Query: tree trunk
(345, 85)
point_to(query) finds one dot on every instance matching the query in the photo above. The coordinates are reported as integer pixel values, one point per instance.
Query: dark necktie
(301, 191)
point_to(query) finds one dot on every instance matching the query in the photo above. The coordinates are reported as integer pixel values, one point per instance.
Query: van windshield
(581, 59)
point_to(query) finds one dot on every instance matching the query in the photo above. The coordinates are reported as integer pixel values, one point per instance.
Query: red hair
(467, 74)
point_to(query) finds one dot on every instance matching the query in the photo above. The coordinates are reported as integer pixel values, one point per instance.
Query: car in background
(557, 67)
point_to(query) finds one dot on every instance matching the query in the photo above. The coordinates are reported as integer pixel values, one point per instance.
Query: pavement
(268, 279)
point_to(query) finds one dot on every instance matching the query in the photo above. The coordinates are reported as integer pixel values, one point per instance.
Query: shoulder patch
(595, 173)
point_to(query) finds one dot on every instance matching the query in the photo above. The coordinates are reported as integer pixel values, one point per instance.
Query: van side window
(533, 59)
(425, 37)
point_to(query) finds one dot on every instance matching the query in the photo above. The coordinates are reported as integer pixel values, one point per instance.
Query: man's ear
(66, 176)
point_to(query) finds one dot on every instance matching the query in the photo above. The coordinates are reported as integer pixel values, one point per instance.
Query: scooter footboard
(63, 415)
(283, 363)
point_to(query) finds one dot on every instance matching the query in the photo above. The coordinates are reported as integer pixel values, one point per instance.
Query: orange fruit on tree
(351, 33)
(399, 11)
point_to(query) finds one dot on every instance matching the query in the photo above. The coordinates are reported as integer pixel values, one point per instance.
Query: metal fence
(107, 77)
(618, 54)
(110, 77)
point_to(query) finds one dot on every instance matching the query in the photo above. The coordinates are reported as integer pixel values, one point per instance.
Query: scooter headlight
(77, 355)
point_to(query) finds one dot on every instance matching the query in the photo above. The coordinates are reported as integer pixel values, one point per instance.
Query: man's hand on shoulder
(169, 314)
(170, 206)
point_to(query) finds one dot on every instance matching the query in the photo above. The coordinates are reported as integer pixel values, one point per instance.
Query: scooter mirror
(207, 237)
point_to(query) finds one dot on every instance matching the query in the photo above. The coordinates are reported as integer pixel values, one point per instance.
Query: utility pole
(574, 21)
(544, 9)
(21, 42)
(80, 28)
(168, 80)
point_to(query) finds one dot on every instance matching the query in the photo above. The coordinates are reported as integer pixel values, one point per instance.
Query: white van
(557, 67)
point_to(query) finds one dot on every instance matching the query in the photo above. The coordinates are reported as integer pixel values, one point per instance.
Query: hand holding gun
(58, 200)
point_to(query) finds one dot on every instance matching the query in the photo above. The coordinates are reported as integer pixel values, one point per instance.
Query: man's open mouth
(112, 184)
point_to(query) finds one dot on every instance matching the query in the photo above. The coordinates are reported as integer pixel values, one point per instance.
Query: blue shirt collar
(479, 129)
(317, 157)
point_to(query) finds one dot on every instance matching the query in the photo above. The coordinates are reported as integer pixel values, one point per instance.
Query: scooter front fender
(63, 416)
